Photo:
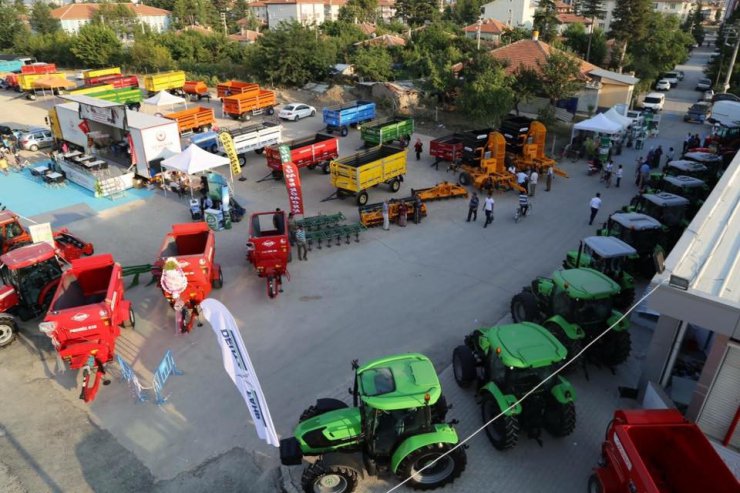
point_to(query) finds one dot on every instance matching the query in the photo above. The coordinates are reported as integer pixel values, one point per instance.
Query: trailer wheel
(259, 151)
(362, 198)
(406, 140)
(344, 131)
(271, 287)
(31, 96)
(594, 484)
(218, 283)
(312, 166)
(395, 185)
(277, 174)
(270, 111)
(8, 328)
(325, 167)
(464, 179)
(131, 322)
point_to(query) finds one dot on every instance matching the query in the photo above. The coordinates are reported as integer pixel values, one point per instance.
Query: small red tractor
(30, 275)
(659, 451)
(268, 248)
(186, 270)
(14, 235)
(85, 317)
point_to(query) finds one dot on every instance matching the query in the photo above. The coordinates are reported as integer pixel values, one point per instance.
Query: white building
(679, 8)
(306, 12)
(515, 13)
(73, 16)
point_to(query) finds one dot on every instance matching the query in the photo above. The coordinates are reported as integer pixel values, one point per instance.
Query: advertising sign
(228, 144)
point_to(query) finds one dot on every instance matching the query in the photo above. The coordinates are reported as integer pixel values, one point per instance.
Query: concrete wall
(514, 12)
(611, 94)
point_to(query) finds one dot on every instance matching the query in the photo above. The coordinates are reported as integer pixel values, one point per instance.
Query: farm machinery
(13, 235)
(693, 189)
(658, 451)
(644, 233)
(576, 305)
(442, 190)
(530, 151)
(491, 171)
(667, 208)
(85, 316)
(506, 362)
(396, 425)
(611, 256)
(30, 275)
(268, 248)
(186, 270)
(372, 214)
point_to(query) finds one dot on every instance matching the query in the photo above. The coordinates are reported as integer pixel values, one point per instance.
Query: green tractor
(611, 256)
(644, 233)
(668, 208)
(695, 169)
(396, 424)
(714, 162)
(576, 305)
(506, 362)
(694, 189)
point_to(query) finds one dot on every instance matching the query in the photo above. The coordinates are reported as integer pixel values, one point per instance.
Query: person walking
(386, 216)
(644, 175)
(533, 178)
(595, 205)
(300, 241)
(549, 178)
(619, 173)
(523, 204)
(473, 207)
(418, 147)
(3, 164)
(608, 170)
(521, 179)
(669, 156)
(488, 209)
(638, 165)
(402, 214)
(417, 208)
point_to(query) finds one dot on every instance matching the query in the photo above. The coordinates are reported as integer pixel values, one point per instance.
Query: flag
(84, 127)
(230, 149)
(292, 181)
(239, 367)
(131, 149)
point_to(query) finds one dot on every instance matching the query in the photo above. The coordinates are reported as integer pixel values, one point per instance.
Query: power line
(525, 396)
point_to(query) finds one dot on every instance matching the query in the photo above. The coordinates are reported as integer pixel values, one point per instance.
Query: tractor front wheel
(615, 347)
(329, 478)
(594, 485)
(504, 432)
(444, 471)
(218, 283)
(560, 419)
(524, 308)
(8, 328)
(463, 366)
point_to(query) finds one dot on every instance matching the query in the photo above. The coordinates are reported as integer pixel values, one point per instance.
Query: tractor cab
(644, 233)
(694, 189)
(30, 275)
(712, 161)
(582, 296)
(689, 168)
(666, 207)
(12, 233)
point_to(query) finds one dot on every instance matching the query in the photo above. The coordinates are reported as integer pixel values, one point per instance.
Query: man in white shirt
(521, 178)
(595, 205)
(488, 209)
(533, 182)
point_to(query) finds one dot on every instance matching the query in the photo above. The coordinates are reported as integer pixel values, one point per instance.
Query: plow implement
(443, 190)
(372, 214)
(326, 229)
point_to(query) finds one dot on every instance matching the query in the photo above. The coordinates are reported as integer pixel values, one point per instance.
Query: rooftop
(386, 40)
(246, 35)
(568, 18)
(75, 11)
(488, 26)
(527, 53)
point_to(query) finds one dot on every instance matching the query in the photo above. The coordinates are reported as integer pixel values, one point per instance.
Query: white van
(654, 101)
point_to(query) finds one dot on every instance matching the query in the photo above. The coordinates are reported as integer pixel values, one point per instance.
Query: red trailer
(13, 235)
(11, 81)
(448, 148)
(268, 248)
(309, 152)
(196, 88)
(659, 451)
(85, 317)
(117, 81)
(39, 68)
(187, 271)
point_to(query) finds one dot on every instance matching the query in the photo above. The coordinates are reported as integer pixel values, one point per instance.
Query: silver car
(35, 139)
(704, 84)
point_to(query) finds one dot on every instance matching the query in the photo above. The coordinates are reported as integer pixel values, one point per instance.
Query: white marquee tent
(163, 98)
(616, 117)
(599, 124)
(194, 160)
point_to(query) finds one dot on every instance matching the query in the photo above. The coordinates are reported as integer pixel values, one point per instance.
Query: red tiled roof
(527, 52)
(293, 2)
(573, 19)
(367, 28)
(246, 35)
(76, 11)
(256, 5)
(384, 40)
(489, 26)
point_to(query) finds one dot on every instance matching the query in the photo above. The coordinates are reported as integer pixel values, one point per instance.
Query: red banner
(293, 185)
(131, 149)
(84, 127)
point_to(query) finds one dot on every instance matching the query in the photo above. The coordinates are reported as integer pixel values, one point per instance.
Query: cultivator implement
(313, 223)
(326, 236)
(444, 190)
(372, 214)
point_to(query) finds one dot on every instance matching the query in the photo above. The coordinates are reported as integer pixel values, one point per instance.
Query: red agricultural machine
(30, 275)
(85, 316)
(13, 235)
(659, 451)
(268, 248)
(186, 270)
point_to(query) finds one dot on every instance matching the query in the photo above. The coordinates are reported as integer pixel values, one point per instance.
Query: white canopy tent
(599, 124)
(163, 98)
(194, 160)
(617, 117)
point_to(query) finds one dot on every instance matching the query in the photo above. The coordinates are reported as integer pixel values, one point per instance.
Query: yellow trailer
(164, 81)
(25, 81)
(355, 174)
(100, 72)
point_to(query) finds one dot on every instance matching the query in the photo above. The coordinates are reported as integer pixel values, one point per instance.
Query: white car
(296, 111)
(654, 102)
(663, 85)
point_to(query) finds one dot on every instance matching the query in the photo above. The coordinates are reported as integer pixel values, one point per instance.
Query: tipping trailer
(91, 90)
(195, 88)
(117, 81)
(99, 72)
(448, 148)
(343, 116)
(85, 317)
(658, 451)
(387, 130)
(356, 174)
(243, 106)
(255, 137)
(39, 68)
(234, 87)
(308, 152)
(130, 96)
(172, 81)
(198, 119)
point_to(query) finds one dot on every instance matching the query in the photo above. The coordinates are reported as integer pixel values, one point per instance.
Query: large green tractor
(396, 425)
(668, 208)
(694, 189)
(611, 256)
(576, 305)
(506, 362)
(644, 233)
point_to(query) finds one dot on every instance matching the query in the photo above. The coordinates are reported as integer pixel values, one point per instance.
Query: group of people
(9, 154)
(403, 209)
(692, 141)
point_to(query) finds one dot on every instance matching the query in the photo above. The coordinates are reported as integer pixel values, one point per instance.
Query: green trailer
(130, 96)
(379, 132)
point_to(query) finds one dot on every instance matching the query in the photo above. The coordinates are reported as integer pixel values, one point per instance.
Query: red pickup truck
(308, 152)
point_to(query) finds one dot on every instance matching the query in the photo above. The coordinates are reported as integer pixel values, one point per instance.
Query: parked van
(654, 101)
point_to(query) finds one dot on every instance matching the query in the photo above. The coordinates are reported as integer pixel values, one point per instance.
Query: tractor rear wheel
(615, 347)
(322, 406)
(524, 308)
(594, 484)
(560, 419)
(443, 472)
(504, 432)
(464, 179)
(8, 328)
(329, 478)
(463, 366)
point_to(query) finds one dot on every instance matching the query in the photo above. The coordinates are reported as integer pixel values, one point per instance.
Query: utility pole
(480, 22)
(731, 66)
(223, 20)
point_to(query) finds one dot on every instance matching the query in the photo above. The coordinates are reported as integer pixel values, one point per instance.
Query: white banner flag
(239, 367)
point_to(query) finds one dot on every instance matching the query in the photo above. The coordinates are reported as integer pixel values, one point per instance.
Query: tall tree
(546, 20)
(527, 83)
(96, 45)
(629, 24)
(117, 16)
(487, 94)
(373, 63)
(579, 40)
(591, 9)
(417, 12)
(10, 25)
(41, 19)
(559, 76)
(464, 12)
(359, 11)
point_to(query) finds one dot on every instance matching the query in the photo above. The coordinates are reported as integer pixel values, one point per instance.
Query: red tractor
(268, 248)
(85, 317)
(186, 270)
(14, 235)
(30, 275)
(659, 451)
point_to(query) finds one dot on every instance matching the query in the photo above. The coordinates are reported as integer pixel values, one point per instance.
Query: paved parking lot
(419, 289)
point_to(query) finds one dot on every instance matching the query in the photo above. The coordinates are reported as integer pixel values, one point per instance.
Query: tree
(146, 55)
(668, 47)
(359, 11)
(194, 12)
(41, 19)
(559, 76)
(515, 34)
(96, 45)
(487, 95)
(629, 24)
(546, 20)
(591, 9)
(527, 85)
(697, 29)
(579, 40)
(373, 63)
(416, 12)
(11, 23)
(464, 12)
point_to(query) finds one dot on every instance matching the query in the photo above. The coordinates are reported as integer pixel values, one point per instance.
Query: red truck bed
(117, 81)
(307, 152)
(39, 68)
(447, 148)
